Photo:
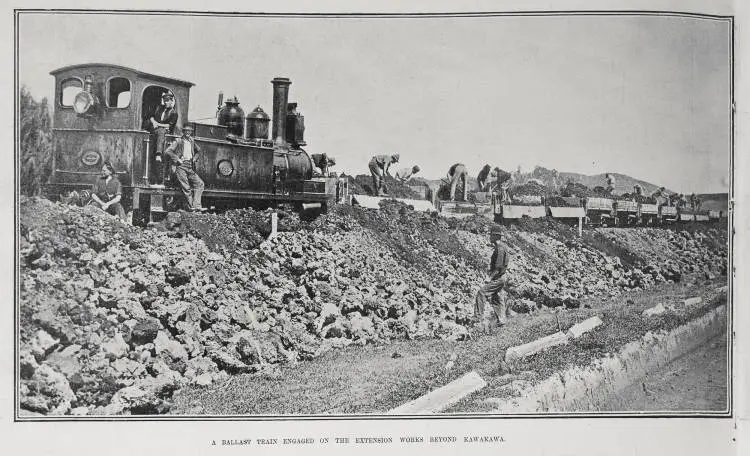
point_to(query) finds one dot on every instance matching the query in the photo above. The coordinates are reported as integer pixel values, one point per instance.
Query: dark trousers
(117, 210)
(377, 177)
(491, 292)
(159, 139)
(190, 183)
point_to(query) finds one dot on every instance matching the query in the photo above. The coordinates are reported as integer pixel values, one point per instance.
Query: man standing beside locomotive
(492, 291)
(163, 121)
(379, 165)
(182, 153)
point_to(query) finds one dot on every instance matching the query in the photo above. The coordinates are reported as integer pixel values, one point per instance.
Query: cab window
(69, 88)
(118, 92)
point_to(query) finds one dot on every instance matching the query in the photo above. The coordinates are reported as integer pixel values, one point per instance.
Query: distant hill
(623, 184)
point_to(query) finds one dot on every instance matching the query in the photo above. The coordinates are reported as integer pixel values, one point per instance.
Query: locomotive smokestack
(280, 100)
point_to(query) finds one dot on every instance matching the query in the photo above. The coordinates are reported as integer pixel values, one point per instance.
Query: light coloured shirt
(187, 150)
(403, 174)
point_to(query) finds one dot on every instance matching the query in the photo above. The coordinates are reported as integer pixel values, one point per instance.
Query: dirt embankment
(114, 319)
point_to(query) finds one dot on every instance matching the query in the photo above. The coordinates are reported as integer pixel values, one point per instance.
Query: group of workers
(489, 179)
(660, 196)
(380, 166)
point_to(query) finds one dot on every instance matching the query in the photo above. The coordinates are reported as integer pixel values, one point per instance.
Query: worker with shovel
(379, 165)
(492, 291)
(458, 173)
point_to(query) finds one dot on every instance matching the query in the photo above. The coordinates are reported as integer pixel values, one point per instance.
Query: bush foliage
(35, 143)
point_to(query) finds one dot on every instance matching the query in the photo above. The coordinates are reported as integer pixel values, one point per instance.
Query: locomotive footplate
(165, 199)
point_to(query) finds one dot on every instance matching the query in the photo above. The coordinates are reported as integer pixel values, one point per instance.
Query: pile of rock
(113, 319)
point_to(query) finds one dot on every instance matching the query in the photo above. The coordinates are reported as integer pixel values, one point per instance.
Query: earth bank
(114, 319)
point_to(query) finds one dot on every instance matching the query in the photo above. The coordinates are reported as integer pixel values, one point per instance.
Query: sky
(640, 95)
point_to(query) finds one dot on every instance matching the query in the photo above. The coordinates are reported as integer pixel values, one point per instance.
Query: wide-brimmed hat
(188, 126)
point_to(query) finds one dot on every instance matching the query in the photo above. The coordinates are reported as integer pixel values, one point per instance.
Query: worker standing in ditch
(379, 165)
(492, 291)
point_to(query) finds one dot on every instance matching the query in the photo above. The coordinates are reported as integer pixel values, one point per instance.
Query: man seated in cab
(108, 192)
(182, 153)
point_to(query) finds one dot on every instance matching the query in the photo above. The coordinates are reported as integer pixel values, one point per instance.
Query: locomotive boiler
(99, 114)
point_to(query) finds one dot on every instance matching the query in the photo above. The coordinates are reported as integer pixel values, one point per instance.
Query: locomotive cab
(102, 112)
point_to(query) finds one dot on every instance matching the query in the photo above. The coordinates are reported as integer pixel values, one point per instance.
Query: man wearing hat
(492, 291)
(404, 174)
(321, 163)
(379, 165)
(163, 121)
(182, 153)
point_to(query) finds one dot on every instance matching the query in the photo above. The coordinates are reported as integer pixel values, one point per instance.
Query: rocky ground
(114, 319)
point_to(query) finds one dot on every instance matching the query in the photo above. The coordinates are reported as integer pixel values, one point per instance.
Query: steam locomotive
(98, 117)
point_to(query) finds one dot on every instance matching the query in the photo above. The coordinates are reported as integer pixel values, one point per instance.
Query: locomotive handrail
(146, 147)
(102, 130)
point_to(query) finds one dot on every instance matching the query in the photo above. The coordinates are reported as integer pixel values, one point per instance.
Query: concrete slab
(522, 351)
(692, 301)
(443, 397)
(583, 327)
(656, 310)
